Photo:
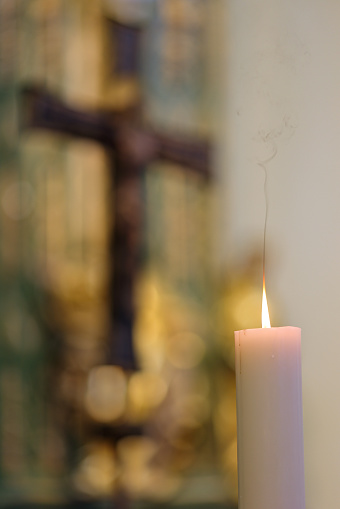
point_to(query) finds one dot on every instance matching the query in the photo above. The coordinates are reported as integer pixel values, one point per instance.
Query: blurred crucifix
(131, 145)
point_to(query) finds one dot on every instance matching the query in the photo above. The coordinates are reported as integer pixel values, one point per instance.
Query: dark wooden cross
(131, 146)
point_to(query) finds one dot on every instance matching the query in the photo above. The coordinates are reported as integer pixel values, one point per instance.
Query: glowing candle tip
(265, 312)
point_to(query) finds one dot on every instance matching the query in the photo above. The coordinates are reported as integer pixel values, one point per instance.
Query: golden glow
(105, 399)
(265, 312)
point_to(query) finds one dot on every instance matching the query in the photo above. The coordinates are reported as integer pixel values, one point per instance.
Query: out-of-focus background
(134, 135)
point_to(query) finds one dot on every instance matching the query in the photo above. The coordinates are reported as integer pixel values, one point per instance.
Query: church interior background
(132, 207)
(131, 237)
(116, 330)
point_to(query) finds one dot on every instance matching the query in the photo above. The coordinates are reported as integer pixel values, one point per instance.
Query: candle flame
(265, 311)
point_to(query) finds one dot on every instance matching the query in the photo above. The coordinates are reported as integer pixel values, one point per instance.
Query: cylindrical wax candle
(269, 418)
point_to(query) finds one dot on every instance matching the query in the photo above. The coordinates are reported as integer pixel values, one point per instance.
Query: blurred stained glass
(75, 425)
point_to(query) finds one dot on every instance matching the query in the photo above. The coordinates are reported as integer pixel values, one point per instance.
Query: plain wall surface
(281, 93)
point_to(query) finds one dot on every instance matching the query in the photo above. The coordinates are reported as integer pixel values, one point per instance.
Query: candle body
(269, 418)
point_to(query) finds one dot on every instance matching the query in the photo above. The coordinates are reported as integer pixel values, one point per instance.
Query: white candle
(269, 418)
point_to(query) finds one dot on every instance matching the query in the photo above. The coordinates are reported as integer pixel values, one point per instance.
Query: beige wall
(281, 85)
